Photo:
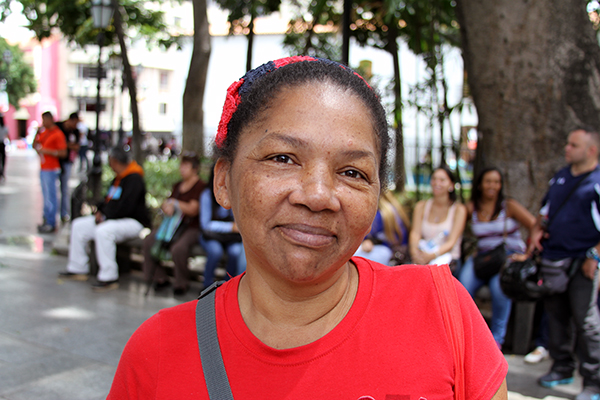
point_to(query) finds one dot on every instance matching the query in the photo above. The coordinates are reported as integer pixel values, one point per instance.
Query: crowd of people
(315, 215)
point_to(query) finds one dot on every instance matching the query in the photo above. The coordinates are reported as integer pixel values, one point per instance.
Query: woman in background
(491, 216)
(389, 231)
(219, 235)
(438, 223)
(184, 199)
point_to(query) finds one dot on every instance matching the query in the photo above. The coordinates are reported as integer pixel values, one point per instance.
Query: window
(162, 108)
(164, 80)
(86, 71)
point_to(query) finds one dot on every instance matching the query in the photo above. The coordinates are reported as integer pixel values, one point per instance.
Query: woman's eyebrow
(298, 143)
(281, 137)
(358, 154)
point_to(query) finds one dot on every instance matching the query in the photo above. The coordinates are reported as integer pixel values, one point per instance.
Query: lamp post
(101, 14)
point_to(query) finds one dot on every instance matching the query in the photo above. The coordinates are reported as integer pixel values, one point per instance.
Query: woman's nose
(317, 190)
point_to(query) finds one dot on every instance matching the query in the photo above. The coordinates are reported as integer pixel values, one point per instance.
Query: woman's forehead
(315, 106)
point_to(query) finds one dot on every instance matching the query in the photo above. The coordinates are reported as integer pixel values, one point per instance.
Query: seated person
(121, 216)
(438, 223)
(494, 220)
(219, 234)
(389, 231)
(184, 198)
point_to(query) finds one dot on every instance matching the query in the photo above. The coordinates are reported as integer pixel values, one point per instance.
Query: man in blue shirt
(568, 231)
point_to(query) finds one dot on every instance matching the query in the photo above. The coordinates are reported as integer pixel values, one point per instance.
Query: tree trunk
(193, 96)
(399, 171)
(346, 32)
(136, 138)
(250, 43)
(533, 69)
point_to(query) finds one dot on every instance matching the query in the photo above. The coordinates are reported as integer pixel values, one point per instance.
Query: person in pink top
(301, 161)
(438, 223)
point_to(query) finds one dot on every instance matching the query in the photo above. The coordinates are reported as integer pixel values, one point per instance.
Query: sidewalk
(61, 341)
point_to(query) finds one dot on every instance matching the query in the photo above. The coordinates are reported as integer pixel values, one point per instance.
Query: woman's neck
(484, 201)
(441, 200)
(290, 317)
(190, 180)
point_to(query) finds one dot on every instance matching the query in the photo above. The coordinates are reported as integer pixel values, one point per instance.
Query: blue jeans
(65, 174)
(501, 305)
(236, 259)
(48, 180)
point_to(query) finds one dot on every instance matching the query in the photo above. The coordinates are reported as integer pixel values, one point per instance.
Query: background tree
(18, 75)
(316, 36)
(533, 72)
(193, 96)
(426, 26)
(132, 20)
(242, 14)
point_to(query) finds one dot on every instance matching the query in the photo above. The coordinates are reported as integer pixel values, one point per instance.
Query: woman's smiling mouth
(307, 235)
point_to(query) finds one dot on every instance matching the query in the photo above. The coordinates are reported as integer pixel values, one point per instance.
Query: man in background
(69, 128)
(51, 145)
(121, 216)
(568, 235)
(3, 136)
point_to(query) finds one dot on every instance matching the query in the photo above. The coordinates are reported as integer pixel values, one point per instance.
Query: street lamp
(102, 11)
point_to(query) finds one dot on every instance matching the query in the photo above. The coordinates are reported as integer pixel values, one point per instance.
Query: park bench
(130, 257)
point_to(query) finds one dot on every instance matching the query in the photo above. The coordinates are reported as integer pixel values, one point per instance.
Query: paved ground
(59, 340)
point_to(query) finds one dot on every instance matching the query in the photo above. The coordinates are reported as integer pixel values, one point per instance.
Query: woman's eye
(352, 173)
(282, 158)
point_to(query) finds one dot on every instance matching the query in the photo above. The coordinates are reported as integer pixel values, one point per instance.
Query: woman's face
(441, 184)
(186, 170)
(304, 183)
(491, 183)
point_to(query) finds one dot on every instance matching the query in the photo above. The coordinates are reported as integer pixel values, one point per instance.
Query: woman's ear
(220, 183)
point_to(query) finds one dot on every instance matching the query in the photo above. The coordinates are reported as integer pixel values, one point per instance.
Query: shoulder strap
(452, 316)
(213, 368)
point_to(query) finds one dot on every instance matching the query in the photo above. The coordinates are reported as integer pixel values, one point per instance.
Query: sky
(13, 29)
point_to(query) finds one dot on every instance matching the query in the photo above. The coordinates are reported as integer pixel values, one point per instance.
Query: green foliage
(241, 12)
(73, 18)
(303, 39)
(20, 80)
(160, 176)
(324, 45)
(424, 24)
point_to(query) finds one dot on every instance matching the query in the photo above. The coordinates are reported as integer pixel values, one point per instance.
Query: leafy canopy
(20, 80)
(73, 19)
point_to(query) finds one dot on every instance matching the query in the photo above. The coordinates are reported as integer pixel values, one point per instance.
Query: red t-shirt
(391, 345)
(51, 139)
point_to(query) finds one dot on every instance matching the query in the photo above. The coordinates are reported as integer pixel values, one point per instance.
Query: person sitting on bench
(121, 216)
(184, 198)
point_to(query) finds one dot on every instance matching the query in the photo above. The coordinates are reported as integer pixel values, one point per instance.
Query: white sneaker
(537, 355)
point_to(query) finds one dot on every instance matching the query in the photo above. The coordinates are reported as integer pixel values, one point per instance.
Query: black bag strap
(213, 368)
(568, 197)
